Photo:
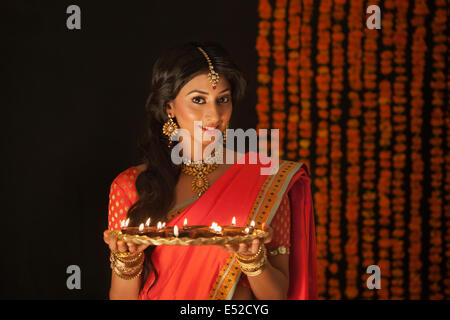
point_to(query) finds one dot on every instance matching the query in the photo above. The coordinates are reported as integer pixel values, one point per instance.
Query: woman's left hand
(247, 250)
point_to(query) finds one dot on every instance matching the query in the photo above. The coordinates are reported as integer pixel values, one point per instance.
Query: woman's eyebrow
(203, 92)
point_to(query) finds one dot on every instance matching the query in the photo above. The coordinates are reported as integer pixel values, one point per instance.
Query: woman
(199, 82)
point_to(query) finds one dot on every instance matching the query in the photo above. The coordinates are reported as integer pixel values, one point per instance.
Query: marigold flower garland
(336, 155)
(399, 156)
(293, 44)
(264, 53)
(353, 152)
(321, 167)
(370, 106)
(439, 26)
(418, 50)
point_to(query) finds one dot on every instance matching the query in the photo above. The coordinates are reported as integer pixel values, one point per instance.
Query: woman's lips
(208, 129)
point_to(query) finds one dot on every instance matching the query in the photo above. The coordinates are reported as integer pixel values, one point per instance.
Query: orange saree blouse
(282, 200)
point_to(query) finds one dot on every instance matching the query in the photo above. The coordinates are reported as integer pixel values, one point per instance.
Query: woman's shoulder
(127, 178)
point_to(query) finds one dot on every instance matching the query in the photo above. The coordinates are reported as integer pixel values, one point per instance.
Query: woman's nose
(212, 115)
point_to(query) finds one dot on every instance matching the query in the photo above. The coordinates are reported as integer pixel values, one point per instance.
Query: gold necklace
(199, 170)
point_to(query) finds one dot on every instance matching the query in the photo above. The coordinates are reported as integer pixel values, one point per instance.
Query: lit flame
(163, 225)
(122, 223)
(252, 224)
(185, 222)
(147, 224)
(159, 226)
(219, 229)
(233, 222)
(127, 222)
(141, 227)
(175, 231)
(247, 230)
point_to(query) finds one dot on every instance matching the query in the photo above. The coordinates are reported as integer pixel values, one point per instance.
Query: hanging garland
(293, 43)
(337, 59)
(370, 107)
(440, 49)
(385, 149)
(353, 152)
(418, 50)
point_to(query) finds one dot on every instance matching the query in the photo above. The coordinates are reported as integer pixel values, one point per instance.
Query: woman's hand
(247, 250)
(116, 245)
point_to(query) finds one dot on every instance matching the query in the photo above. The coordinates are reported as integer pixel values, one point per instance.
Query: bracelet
(253, 266)
(127, 270)
(128, 257)
(256, 272)
(279, 250)
(248, 259)
(127, 276)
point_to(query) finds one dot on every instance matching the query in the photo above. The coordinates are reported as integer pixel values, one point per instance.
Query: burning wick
(163, 225)
(185, 222)
(141, 227)
(233, 221)
(147, 224)
(247, 230)
(159, 225)
(127, 222)
(252, 224)
(175, 231)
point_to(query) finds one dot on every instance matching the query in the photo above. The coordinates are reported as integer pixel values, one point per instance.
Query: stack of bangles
(254, 265)
(127, 265)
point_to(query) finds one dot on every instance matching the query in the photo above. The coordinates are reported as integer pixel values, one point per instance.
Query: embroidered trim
(263, 210)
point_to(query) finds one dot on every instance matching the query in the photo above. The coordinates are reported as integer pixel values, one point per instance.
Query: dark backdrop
(72, 110)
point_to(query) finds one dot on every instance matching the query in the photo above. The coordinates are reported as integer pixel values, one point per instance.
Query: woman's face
(198, 101)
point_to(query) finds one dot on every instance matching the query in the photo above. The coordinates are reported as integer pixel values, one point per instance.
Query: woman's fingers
(131, 247)
(269, 230)
(122, 246)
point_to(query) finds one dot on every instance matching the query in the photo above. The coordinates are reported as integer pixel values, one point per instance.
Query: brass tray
(185, 241)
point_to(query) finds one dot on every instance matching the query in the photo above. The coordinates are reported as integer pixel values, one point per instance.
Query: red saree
(209, 272)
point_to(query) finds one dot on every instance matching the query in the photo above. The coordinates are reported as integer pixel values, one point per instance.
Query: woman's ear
(170, 109)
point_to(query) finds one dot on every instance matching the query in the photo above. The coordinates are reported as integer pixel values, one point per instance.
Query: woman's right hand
(116, 245)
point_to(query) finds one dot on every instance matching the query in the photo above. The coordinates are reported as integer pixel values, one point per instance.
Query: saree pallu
(209, 272)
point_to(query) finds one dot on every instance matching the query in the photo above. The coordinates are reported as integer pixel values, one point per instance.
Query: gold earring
(169, 129)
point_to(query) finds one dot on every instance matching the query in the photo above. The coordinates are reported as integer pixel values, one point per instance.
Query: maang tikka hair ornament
(212, 75)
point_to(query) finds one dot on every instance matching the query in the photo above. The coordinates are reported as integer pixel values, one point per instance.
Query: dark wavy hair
(156, 185)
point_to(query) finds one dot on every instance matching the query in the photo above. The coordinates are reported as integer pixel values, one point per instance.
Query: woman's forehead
(201, 84)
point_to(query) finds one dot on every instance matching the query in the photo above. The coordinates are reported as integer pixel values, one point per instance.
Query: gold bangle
(256, 272)
(128, 276)
(128, 257)
(253, 266)
(251, 258)
(127, 271)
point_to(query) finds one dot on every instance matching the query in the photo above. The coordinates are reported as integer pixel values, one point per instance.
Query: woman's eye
(225, 99)
(196, 100)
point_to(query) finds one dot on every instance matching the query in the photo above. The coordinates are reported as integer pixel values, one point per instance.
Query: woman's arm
(122, 289)
(273, 282)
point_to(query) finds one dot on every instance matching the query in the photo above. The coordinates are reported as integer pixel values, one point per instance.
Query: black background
(72, 111)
